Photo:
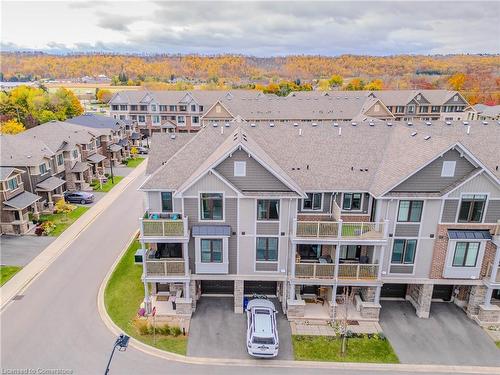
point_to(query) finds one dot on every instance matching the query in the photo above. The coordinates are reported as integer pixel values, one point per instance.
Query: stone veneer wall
(420, 296)
(476, 298)
(238, 296)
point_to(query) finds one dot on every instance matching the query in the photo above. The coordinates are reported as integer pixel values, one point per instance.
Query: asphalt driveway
(20, 250)
(448, 337)
(216, 331)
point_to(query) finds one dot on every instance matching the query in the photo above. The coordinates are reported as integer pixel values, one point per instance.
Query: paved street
(56, 324)
(20, 250)
(447, 337)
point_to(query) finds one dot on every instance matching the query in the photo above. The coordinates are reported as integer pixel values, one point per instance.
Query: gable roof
(6, 172)
(23, 151)
(91, 120)
(365, 157)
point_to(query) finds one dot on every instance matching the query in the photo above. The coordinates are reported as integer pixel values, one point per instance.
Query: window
(60, 159)
(403, 251)
(240, 168)
(173, 118)
(435, 108)
(163, 108)
(211, 251)
(211, 206)
(352, 201)
(218, 109)
(424, 109)
(400, 109)
(133, 117)
(411, 109)
(196, 119)
(75, 154)
(181, 120)
(43, 168)
(410, 211)
(166, 201)
(350, 252)
(193, 107)
(376, 108)
(267, 249)
(98, 142)
(123, 107)
(471, 208)
(314, 201)
(182, 108)
(172, 108)
(133, 107)
(114, 107)
(268, 209)
(12, 184)
(156, 119)
(201, 108)
(307, 251)
(448, 169)
(143, 107)
(465, 254)
(142, 118)
(122, 117)
(153, 107)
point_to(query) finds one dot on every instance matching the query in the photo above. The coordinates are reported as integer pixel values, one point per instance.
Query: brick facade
(355, 218)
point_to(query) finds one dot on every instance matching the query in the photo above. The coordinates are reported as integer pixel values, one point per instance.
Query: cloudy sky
(253, 28)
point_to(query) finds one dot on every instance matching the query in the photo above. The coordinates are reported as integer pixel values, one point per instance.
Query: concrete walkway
(24, 277)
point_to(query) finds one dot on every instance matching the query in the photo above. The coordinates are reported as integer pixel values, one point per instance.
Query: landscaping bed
(122, 297)
(132, 163)
(59, 222)
(366, 348)
(7, 272)
(107, 186)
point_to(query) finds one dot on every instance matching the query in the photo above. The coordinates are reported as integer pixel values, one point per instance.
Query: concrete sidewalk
(24, 277)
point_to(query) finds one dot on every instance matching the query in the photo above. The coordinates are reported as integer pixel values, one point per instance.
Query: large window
(403, 251)
(166, 201)
(465, 254)
(211, 251)
(471, 208)
(352, 201)
(314, 201)
(60, 159)
(268, 209)
(267, 249)
(212, 206)
(410, 211)
(350, 252)
(12, 184)
(308, 251)
(43, 168)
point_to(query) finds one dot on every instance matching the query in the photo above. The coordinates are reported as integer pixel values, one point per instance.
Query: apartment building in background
(307, 210)
(483, 112)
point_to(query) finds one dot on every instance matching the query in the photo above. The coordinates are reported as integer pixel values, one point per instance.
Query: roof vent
(295, 124)
(340, 130)
(468, 129)
(410, 123)
(215, 125)
(300, 131)
(427, 137)
(448, 122)
(485, 122)
(172, 136)
(226, 124)
(466, 122)
(335, 124)
(428, 123)
(413, 134)
(271, 124)
(252, 125)
(314, 124)
(371, 123)
(354, 123)
(389, 123)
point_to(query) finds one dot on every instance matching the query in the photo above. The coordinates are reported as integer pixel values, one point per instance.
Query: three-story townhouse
(307, 212)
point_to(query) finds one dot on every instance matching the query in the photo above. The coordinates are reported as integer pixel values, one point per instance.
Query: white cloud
(257, 28)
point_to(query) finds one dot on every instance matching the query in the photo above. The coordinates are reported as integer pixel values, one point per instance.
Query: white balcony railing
(341, 230)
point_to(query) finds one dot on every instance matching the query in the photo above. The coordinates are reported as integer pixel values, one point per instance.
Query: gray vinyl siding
(406, 230)
(492, 212)
(231, 215)
(257, 177)
(450, 210)
(460, 101)
(429, 178)
(327, 199)
(270, 228)
(269, 267)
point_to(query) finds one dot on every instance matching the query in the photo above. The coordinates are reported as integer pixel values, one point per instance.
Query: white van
(262, 332)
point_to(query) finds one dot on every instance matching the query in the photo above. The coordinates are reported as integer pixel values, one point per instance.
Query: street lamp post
(122, 343)
(111, 166)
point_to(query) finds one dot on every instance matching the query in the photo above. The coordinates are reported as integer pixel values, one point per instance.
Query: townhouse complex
(315, 210)
(43, 162)
(182, 111)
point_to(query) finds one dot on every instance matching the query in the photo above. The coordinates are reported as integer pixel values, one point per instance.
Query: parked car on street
(81, 197)
(142, 150)
(262, 332)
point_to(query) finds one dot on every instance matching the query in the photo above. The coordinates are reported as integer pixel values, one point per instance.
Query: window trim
(212, 239)
(171, 200)
(485, 208)
(267, 249)
(361, 202)
(410, 209)
(242, 164)
(404, 251)
(465, 254)
(223, 207)
(452, 164)
(312, 202)
(267, 220)
(12, 179)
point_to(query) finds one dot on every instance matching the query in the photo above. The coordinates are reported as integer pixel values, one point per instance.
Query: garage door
(393, 291)
(217, 287)
(443, 292)
(260, 287)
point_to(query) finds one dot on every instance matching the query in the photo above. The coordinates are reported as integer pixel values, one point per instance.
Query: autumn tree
(457, 81)
(355, 84)
(336, 81)
(104, 95)
(376, 84)
(11, 127)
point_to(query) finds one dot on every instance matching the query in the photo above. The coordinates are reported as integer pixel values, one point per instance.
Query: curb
(42, 261)
(374, 367)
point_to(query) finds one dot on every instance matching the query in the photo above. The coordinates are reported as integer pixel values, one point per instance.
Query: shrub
(47, 227)
(175, 331)
(142, 326)
(163, 329)
(63, 207)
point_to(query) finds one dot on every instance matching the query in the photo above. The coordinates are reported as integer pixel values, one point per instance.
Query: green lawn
(6, 273)
(62, 221)
(324, 348)
(132, 163)
(106, 186)
(498, 344)
(122, 298)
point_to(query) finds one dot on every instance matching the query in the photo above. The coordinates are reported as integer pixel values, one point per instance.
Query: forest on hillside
(477, 76)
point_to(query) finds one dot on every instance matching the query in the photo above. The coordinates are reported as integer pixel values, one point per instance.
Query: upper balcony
(341, 231)
(164, 267)
(164, 226)
(354, 271)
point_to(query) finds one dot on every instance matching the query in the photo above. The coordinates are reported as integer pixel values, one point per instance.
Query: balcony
(355, 271)
(160, 224)
(165, 267)
(369, 231)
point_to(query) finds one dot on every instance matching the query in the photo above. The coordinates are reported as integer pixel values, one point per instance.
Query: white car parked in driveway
(262, 331)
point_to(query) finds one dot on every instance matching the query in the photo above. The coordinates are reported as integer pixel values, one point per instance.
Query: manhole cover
(18, 297)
